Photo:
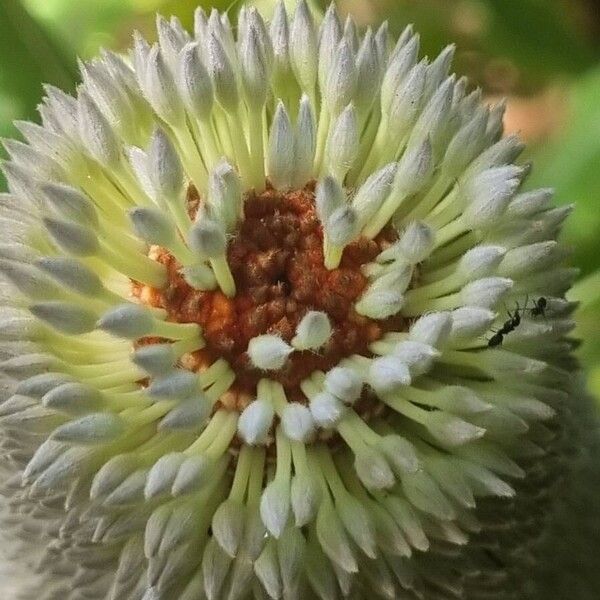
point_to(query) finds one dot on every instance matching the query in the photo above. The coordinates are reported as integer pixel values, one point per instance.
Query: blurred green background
(543, 55)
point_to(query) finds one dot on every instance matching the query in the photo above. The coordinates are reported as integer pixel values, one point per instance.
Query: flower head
(273, 322)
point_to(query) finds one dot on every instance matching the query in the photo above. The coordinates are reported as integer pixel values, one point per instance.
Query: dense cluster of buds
(250, 283)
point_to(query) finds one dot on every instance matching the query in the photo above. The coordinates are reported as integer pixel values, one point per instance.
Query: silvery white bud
(194, 82)
(359, 523)
(401, 64)
(215, 566)
(439, 68)
(328, 197)
(28, 280)
(193, 474)
(275, 506)
(72, 273)
(200, 24)
(222, 73)
(303, 47)
(257, 24)
(486, 292)
(297, 422)
(164, 166)
(312, 332)
(73, 397)
(65, 316)
(39, 385)
(199, 276)
(155, 359)
(279, 33)
(225, 194)
(44, 456)
(368, 73)
(416, 242)
(159, 88)
(400, 453)
(417, 356)
(344, 383)
(488, 195)
(178, 384)
(281, 151)
(97, 135)
(266, 569)
(170, 41)
(228, 525)
(112, 473)
(327, 410)
(341, 79)
(405, 103)
(465, 145)
(255, 69)
(480, 261)
(470, 321)
(351, 33)
(451, 430)
(97, 428)
(342, 226)
(343, 143)
(432, 328)
(382, 39)
(72, 238)
(414, 169)
(129, 321)
(255, 422)
(523, 260)
(162, 474)
(305, 145)
(388, 373)
(528, 204)
(373, 469)
(268, 352)
(380, 304)
(305, 498)
(138, 159)
(190, 414)
(153, 226)
(207, 237)
(330, 36)
(373, 192)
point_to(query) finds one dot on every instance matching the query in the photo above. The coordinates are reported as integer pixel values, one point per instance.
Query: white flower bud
(255, 422)
(401, 64)
(312, 332)
(529, 204)
(432, 329)
(266, 569)
(73, 397)
(28, 280)
(190, 414)
(373, 469)
(128, 320)
(373, 192)
(178, 384)
(379, 304)
(97, 135)
(207, 237)
(451, 430)
(228, 525)
(341, 79)
(330, 36)
(222, 74)
(414, 169)
(405, 103)
(305, 498)
(268, 352)
(303, 47)
(111, 475)
(388, 373)
(416, 242)
(382, 39)
(199, 276)
(417, 356)
(524, 260)
(400, 453)
(72, 238)
(153, 226)
(215, 566)
(281, 154)
(194, 82)
(98, 428)
(480, 261)
(488, 195)
(162, 474)
(305, 143)
(72, 273)
(225, 194)
(65, 316)
(329, 196)
(279, 33)
(255, 69)
(344, 383)
(275, 506)
(297, 422)
(465, 145)
(155, 359)
(486, 292)
(342, 226)
(170, 41)
(164, 166)
(193, 474)
(368, 73)
(343, 143)
(39, 385)
(327, 410)
(159, 88)
(438, 70)
(470, 322)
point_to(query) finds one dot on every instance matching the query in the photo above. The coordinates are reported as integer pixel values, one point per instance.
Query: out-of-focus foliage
(543, 54)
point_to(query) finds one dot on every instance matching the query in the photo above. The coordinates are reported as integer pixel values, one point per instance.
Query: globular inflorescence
(251, 276)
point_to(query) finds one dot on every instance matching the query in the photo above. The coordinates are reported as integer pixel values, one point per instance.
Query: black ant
(514, 321)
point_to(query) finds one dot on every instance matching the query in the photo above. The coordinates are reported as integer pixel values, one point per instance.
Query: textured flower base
(279, 321)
